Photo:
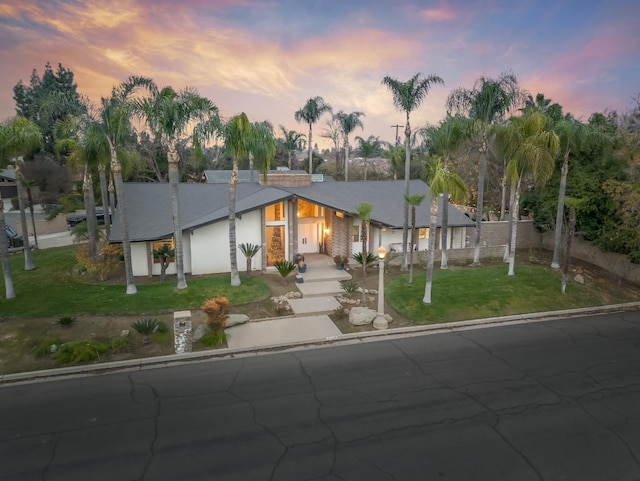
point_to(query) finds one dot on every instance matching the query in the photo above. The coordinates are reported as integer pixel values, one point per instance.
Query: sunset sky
(267, 57)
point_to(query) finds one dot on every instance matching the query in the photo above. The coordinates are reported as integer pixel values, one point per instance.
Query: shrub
(358, 258)
(217, 311)
(106, 264)
(340, 259)
(349, 286)
(119, 344)
(66, 320)
(162, 327)
(44, 346)
(212, 339)
(79, 351)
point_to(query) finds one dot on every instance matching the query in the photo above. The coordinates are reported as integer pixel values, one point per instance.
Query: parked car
(15, 240)
(75, 219)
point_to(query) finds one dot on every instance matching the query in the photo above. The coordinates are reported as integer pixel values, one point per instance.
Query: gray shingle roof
(149, 205)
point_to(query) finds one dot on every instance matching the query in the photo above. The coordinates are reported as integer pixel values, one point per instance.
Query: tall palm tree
(238, 137)
(407, 97)
(315, 108)
(263, 146)
(573, 136)
(486, 105)
(531, 147)
(291, 142)
(170, 115)
(414, 201)
(348, 123)
(20, 137)
(368, 148)
(440, 180)
(115, 123)
(445, 140)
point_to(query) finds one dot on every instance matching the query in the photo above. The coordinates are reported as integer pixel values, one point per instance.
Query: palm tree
(395, 155)
(368, 148)
(348, 123)
(169, 115)
(445, 140)
(311, 113)
(531, 147)
(407, 97)
(573, 136)
(238, 137)
(263, 146)
(19, 138)
(363, 212)
(414, 201)
(440, 180)
(485, 105)
(115, 124)
(291, 142)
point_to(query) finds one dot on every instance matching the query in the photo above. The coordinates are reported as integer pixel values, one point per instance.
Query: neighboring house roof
(8, 175)
(149, 205)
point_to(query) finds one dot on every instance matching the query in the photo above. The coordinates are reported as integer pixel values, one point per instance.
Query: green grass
(52, 289)
(474, 293)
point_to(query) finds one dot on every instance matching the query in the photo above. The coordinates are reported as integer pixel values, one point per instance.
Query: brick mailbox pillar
(182, 331)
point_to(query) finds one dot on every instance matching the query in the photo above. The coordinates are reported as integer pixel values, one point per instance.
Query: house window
(423, 233)
(307, 209)
(355, 233)
(274, 212)
(157, 245)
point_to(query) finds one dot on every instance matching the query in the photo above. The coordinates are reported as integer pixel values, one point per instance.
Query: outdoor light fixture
(380, 322)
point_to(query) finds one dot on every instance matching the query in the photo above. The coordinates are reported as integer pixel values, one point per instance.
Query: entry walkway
(311, 321)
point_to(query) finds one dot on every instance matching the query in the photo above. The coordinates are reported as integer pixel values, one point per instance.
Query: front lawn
(53, 289)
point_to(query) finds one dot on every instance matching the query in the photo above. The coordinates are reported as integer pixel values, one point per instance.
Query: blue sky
(267, 57)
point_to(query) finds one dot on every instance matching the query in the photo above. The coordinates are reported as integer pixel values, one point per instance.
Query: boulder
(199, 332)
(125, 333)
(579, 279)
(235, 319)
(361, 316)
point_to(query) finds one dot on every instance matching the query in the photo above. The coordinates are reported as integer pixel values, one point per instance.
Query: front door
(307, 238)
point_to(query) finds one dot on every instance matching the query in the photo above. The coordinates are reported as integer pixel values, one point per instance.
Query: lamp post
(380, 322)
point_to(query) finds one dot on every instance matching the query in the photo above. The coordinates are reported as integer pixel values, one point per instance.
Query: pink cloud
(439, 14)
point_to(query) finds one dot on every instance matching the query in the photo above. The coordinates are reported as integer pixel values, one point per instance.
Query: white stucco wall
(209, 245)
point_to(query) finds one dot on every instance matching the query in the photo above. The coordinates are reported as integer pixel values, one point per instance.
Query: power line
(397, 137)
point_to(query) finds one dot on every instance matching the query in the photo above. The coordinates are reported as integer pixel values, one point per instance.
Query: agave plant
(284, 268)
(145, 327)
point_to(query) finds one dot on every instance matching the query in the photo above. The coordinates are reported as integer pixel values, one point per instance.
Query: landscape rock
(53, 348)
(579, 279)
(361, 316)
(125, 333)
(235, 319)
(199, 332)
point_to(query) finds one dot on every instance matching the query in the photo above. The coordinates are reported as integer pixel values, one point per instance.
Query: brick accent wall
(340, 241)
(495, 234)
(286, 180)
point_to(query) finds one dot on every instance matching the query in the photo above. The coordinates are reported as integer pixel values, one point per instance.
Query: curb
(370, 336)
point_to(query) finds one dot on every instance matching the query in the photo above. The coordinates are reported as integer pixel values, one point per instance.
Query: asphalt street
(555, 400)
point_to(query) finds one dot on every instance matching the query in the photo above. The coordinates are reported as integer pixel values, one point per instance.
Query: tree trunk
(28, 261)
(445, 230)
(310, 150)
(365, 256)
(233, 256)
(346, 158)
(174, 181)
(514, 225)
(33, 220)
(557, 235)
(104, 194)
(112, 195)
(116, 170)
(479, 202)
(413, 239)
(503, 185)
(90, 212)
(431, 251)
(571, 229)
(507, 248)
(407, 175)
(9, 292)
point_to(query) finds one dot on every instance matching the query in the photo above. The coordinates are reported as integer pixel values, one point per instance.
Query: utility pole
(397, 138)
